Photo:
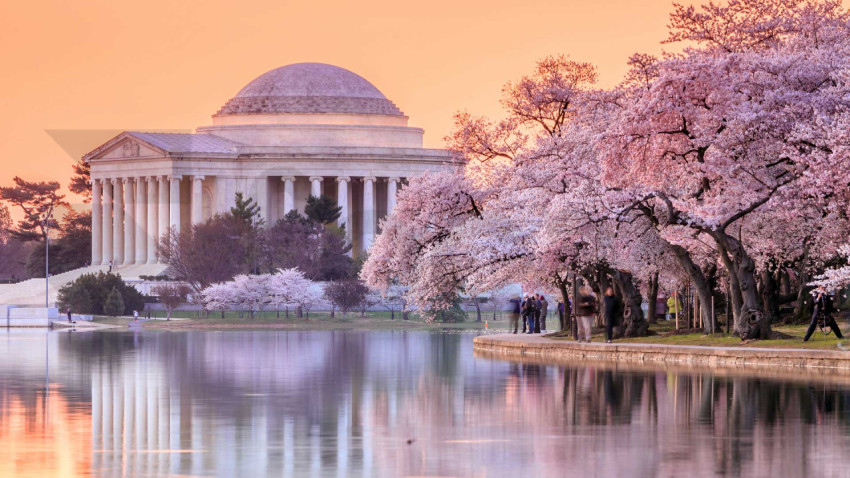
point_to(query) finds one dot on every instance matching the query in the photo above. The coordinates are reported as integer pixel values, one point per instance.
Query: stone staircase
(31, 291)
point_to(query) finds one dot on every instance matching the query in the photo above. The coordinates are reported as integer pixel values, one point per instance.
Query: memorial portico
(300, 130)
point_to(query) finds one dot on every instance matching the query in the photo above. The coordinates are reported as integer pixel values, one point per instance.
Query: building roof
(188, 142)
(310, 88)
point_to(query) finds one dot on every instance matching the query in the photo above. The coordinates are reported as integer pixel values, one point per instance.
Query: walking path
(510, 346)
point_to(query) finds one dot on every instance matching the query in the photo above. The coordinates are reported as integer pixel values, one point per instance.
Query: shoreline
(560, 352)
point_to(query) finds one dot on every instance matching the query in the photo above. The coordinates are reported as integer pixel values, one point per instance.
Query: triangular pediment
(125, 146)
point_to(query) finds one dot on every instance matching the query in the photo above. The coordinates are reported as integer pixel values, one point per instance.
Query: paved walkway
(510, 345)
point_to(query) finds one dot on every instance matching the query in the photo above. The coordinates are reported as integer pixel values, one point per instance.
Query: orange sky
(107, 66)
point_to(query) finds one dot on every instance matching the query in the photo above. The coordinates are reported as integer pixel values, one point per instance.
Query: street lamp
(47, 259)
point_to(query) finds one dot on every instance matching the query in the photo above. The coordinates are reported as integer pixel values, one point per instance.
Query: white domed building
(302, 129)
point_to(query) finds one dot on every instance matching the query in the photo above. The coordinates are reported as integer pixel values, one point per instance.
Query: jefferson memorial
(295, 131)
(299, 130)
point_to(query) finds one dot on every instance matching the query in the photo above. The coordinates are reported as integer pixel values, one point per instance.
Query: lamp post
(47, 259)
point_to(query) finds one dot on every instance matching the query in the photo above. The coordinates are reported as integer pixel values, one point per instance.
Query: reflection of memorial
(326, 403)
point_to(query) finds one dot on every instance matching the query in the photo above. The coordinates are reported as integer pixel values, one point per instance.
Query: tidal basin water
(256, 404)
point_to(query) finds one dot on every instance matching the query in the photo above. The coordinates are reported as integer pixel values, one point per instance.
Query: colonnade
(129, 214)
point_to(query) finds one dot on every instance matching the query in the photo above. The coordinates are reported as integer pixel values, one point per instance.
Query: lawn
(664, 334)
(377, 320)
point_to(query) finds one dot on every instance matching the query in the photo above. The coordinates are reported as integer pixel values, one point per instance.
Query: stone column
(174, 210)
(316, 185)
(96, 224)
(197, 199)
(288, 194)
(392, 189)
(164, 205)
(152, 235)
(342, 202)
(262, 188)
(129, 223)
(117, 223)
(368, 211)
(106, 184)
(141, 222)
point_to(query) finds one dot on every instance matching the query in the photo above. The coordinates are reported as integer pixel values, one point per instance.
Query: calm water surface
(256, 404)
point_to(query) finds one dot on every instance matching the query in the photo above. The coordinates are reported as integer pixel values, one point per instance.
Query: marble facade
(299, 130)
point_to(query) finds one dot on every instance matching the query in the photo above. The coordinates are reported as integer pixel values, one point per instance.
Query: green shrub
(114, 304)
(98, 287)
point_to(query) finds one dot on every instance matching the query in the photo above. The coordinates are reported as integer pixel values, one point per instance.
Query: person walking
(585, 310)
(823, 309)
(516, 309)
(612, 305)
(110, 265)
(673, 306)
(544, 311)
(69, 315)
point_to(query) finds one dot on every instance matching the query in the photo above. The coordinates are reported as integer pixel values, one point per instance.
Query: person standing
(110, 265)
(538, 308)
(524, 312)
(611, 306)
(823, 309)
(544, 311)
(585, 310)
(516, 309)
(69, 315)
(560, 308)
(673, 306)
(530, 312)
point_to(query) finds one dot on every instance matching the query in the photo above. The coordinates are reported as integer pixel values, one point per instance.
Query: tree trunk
(770, 295)
(477, 310)
(634, 323)
(652, 299)
(698, 281)
(751, 322)
(800, 308)
(603, 285)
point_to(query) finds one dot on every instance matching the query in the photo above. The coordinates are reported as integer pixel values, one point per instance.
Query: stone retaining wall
(510, 347)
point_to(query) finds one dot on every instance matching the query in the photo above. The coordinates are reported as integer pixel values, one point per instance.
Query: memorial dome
(309, 88)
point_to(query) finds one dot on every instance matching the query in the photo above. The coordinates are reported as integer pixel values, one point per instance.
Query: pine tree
(114, 305)
(322, 209)
(247, 210)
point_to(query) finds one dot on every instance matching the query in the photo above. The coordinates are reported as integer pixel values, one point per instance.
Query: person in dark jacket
(538, 309)
(530, 312)
(516, 309)
(611, 305)
(544, 311)
(823, 310)
(524, 313)
(585, 311)
(560, 308)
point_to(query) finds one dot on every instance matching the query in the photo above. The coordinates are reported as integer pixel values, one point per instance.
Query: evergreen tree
(36, 199)
(78, 299)
(322, 209)
(247, 210)
(114, 305)
(81, 180)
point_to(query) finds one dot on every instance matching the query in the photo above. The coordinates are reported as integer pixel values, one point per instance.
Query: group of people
(533, 309)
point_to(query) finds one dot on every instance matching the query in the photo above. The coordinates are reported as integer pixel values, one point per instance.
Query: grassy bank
(316, 321)
(664, 333)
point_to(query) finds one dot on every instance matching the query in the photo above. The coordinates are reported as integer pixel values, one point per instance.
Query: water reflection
(390, 404)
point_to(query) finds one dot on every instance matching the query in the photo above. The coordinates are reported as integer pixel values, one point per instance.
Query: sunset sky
(98, 67)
